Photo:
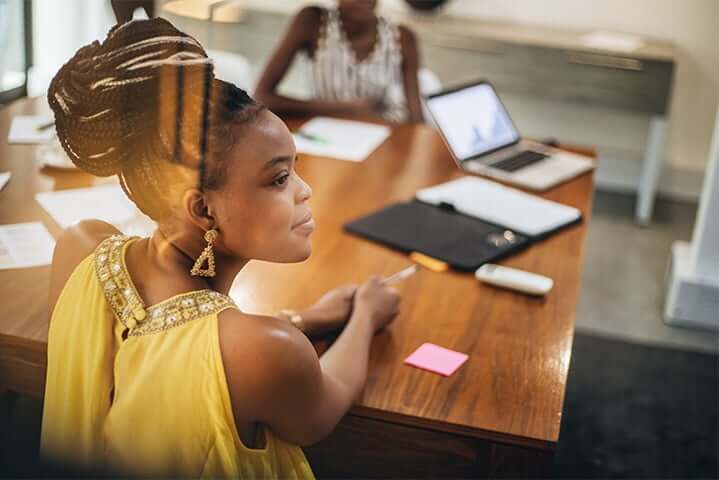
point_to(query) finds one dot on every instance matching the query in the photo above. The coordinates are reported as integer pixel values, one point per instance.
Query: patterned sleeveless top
(337, 75)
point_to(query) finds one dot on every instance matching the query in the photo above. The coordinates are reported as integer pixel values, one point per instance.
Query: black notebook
(461, 241)
(466, 222)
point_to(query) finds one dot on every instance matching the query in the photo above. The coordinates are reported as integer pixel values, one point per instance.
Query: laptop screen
(473, 120)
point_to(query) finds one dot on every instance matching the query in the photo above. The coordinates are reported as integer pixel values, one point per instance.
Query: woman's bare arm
(276, 379)
(410, 67)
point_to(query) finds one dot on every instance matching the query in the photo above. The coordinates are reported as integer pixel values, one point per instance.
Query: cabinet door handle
(605, 61)
(468, 44)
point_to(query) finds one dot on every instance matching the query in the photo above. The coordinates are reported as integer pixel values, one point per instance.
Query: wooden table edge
(451, 428)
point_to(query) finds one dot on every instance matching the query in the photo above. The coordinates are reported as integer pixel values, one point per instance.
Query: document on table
(501, 205)
(107, 203)
(25, 245)
(4, 178)
(31, 129)
(342, 139)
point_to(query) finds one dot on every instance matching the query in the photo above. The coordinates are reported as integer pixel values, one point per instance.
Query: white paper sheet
(25, 245)
(620, 42)
(107, 203)
(341, 139)
(495, 203)
(53, 156)
(4, 178)
(24, 129)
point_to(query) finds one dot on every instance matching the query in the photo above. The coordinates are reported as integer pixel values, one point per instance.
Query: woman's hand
(377, 302)
(331, 312)
(365, 106)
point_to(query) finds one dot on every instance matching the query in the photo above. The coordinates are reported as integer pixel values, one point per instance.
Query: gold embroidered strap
(119, 290)
(182, 309)
(128, 306)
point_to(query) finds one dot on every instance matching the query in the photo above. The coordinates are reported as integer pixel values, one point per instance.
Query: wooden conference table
(498, 415)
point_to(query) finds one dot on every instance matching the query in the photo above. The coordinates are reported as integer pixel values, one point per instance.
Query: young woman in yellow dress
(152, 370)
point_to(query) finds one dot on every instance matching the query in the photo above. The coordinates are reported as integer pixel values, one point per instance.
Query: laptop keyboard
(520, 160)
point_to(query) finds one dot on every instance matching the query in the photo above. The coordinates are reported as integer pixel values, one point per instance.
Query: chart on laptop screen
(472, 120)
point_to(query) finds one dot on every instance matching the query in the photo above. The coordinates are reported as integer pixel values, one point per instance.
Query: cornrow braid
(144, 105)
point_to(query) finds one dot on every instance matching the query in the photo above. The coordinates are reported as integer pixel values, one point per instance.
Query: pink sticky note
(436, 359)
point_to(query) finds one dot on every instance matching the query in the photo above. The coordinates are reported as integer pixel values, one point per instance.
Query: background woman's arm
(410, 68)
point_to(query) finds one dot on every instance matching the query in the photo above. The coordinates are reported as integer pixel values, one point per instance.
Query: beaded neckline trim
(129, 307)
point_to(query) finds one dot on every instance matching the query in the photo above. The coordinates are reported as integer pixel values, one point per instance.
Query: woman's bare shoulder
(306, 26)
(311, 13)
(258, 334)
(259, 354)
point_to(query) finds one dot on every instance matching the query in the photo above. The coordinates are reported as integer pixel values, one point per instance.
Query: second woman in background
(362, 65)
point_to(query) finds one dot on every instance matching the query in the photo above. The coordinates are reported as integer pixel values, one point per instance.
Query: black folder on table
(465, 242)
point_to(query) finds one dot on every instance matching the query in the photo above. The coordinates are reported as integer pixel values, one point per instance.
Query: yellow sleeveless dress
(142, 390)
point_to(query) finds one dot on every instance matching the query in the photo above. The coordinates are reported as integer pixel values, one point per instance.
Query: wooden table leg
(23, 365)
(8, 399)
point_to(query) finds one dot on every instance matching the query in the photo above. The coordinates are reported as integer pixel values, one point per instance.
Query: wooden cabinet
(579, 76)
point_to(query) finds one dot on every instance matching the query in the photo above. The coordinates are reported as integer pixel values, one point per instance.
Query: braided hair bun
(142, 105)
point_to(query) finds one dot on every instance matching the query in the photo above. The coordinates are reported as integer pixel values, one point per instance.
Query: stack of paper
(106, 203)
(25, 245)
(4, 178)
(495, 203)
(341, 139)
(31, 129)
(52, 155)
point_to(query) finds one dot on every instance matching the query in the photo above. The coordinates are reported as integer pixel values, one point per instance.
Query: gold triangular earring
(207, 255)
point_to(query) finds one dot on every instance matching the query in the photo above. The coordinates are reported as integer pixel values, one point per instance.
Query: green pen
(44, 126)
(312, 138)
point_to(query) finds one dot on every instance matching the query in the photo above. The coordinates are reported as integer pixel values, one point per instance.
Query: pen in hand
(401, 275)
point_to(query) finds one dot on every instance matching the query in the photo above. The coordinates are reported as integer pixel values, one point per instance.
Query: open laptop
(483, 140)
